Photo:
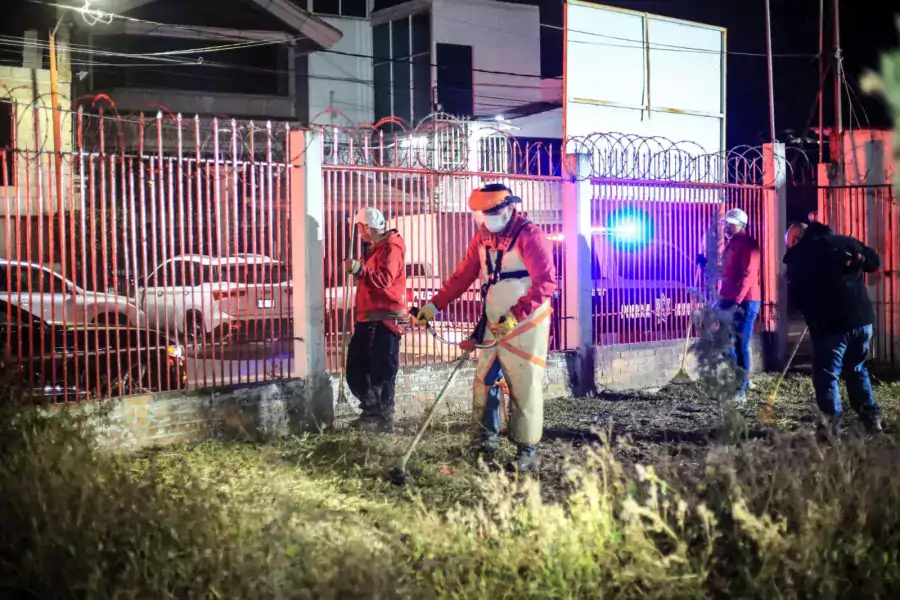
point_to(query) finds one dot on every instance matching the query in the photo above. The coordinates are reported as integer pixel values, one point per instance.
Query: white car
(202, 296)
(56, 300)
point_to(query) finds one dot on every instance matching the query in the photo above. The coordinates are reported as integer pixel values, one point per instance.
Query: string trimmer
(348, 321)
(767, 412)
(399, 475)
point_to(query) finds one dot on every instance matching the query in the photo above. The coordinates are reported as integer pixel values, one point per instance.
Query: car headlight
(175, 351)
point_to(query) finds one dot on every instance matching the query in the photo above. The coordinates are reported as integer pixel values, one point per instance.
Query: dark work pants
(373, 360)
(843, 356)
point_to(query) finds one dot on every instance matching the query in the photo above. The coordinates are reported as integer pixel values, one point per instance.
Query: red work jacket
(740, 275)
(381, 292)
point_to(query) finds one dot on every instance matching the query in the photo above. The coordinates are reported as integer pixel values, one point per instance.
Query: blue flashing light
(630, 227)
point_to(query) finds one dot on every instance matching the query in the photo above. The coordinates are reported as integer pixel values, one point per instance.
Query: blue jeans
(744, 319)
(490, 420)
(843, 355)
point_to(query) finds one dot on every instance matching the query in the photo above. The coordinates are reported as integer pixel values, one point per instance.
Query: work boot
(872, 424)
(370, 425)
(524, 461)
(830, 428)
(486, 447)
(739, 399)
(751, 385)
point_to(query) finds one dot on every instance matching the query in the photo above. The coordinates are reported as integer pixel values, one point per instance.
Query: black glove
(701, 261)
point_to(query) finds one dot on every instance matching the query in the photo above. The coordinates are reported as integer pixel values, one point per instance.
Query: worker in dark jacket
(373, 357)
(826, 282)
(740, 291)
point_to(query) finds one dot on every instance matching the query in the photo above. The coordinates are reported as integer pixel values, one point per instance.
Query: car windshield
(253, 273)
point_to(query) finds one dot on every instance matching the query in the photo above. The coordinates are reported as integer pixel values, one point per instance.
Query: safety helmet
(371, 217)
(491, 197)
(736, 216)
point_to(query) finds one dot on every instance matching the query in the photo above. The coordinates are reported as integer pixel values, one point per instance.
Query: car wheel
(194, 328)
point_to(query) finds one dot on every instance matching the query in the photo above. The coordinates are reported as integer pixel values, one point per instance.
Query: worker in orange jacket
(514, 259)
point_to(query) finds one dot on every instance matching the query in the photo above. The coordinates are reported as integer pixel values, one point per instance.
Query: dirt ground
(677, 424)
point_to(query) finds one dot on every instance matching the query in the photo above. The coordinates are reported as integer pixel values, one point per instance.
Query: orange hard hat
(491, 197)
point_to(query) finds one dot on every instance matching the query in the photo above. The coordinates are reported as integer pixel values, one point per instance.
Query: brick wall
(251, 412)
(622, 367)
(262, 412)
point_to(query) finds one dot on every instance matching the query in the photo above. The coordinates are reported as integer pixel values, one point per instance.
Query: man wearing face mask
(373, 356)
(515, 261)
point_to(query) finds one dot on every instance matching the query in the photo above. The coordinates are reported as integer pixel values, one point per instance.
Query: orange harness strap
(506, 345)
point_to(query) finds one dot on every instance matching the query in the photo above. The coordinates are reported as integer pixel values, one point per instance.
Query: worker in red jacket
(373, 357)
(740, 292)
(515, 262)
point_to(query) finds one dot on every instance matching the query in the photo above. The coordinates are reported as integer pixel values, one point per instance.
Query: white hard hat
(736, 216)
(371, 217)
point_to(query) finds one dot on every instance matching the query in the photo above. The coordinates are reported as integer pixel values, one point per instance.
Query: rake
(681, 377)
(767, 412)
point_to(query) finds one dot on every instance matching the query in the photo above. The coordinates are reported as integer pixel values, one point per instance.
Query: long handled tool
(348, 323)
(767, 411)
(399, 475)
(681, 377)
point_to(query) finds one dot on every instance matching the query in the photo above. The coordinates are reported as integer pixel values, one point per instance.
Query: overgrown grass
(615, 515)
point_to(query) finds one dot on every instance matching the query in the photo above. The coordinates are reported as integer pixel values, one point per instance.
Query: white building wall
(504, 38)
(636, 73)
(342, 82)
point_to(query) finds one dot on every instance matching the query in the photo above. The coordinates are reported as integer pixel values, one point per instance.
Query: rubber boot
(524, 461)
(486, 447)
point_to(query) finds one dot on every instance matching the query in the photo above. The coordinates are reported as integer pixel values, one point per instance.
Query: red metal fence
(151, 255)
(154, 253)
(653, 203)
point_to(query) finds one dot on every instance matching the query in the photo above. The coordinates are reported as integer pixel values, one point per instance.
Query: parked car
(639, 294)
(200, 297)
(62, 362)
(55, 299)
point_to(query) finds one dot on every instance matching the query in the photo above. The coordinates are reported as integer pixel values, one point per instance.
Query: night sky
(867, 28)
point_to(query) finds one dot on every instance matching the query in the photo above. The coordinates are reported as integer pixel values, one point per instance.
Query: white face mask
(496, 223)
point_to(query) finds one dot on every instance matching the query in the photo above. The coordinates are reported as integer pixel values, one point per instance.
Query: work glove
(352, 266)
(425, 314)
(504, 326)
(701, 261)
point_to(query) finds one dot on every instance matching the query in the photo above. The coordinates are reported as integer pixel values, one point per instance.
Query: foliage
(314, 517)
(887, 85)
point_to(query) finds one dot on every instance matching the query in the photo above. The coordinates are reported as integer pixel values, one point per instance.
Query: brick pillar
(773, 247)
(577, 283)
(307, 250)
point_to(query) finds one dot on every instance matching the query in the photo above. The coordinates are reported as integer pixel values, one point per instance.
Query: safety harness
(495, 275)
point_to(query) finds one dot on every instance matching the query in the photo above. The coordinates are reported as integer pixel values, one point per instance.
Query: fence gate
(869, 213)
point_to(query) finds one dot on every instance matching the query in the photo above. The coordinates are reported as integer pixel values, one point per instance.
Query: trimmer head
(399, 476)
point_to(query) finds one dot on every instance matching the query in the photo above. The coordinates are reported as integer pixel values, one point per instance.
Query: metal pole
(838, 72)
(821, 78)
(771, 75)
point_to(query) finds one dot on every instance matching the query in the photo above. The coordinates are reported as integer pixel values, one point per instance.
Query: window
(255, 274)
(401, 53)
(340, 8)
(454, 79)
(40, 281)
(6, 141)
